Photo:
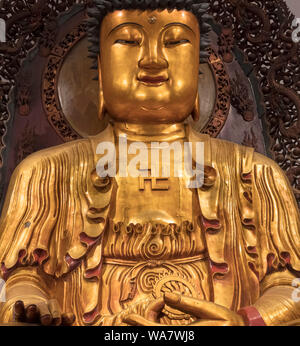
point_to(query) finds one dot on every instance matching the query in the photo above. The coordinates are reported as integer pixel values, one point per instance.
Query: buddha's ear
(196, 110)
(101, 112)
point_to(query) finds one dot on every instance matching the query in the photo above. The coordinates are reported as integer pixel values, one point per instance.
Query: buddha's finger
(19, 311)
(55, 312)
(68, 319)
(154, 309)
(45, 315)
(196, 307)
(137, 320)
(31, 313)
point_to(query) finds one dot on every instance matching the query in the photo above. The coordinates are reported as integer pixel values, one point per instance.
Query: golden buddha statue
(83, 249)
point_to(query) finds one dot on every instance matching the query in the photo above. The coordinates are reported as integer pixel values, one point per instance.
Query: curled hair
(101, 8)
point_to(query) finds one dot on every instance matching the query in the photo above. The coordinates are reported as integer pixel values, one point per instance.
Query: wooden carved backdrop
(257, 33)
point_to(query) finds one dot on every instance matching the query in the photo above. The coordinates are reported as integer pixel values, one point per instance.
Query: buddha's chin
(152, 118)
(149, 114)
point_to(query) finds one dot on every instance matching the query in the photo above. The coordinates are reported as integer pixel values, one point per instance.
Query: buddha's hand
(41, 312)
(147, 309)
(206, 313)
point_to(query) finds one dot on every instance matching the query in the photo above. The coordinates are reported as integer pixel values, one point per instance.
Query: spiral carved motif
(148, 280)
(155, 248)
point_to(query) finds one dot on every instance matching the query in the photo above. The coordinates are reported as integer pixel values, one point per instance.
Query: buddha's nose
(153, 57)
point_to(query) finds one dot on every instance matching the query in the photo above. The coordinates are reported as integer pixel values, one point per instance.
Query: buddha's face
(149, 65)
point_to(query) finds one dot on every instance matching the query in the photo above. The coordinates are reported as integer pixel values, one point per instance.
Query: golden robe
(58, 231)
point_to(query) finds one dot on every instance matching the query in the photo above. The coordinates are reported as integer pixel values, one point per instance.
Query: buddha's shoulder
(81, 148)
(244, 152)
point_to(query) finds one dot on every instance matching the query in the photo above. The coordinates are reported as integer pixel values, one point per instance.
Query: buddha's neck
(153, 132)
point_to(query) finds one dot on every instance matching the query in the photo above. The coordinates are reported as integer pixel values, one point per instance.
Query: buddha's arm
(279, 240)
(41, 220)
(279, 304)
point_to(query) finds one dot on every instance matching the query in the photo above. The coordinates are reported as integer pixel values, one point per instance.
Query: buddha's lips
(153, 80)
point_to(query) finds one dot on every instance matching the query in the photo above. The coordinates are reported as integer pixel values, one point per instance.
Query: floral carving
(240, 98)
(226, 43)
(23, 95)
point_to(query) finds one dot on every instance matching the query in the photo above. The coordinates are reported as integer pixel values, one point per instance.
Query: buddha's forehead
(150, 20)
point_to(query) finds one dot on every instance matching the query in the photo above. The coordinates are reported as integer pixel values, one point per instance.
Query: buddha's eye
(174, 43)
(128, 42)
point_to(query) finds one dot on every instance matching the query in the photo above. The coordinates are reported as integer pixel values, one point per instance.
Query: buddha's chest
(154, 218)
(148, 223)
(155, 214)
(155, 200)
(155, 188)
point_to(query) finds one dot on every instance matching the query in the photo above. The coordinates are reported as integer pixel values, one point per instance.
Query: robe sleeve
(50, 217)
(277, 214)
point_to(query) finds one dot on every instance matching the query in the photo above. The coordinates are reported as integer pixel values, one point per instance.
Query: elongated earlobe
(101, 112)
(196, 110)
